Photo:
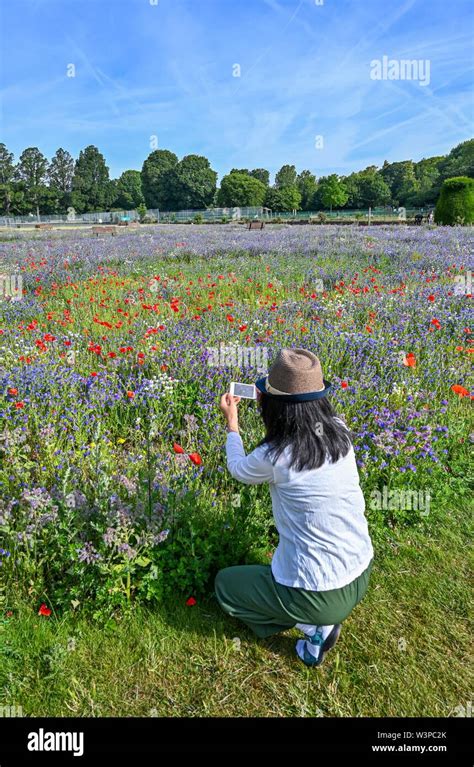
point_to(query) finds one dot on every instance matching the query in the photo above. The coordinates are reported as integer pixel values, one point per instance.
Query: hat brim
(303, 397)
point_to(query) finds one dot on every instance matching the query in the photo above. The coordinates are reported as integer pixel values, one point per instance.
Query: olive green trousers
(251, 594)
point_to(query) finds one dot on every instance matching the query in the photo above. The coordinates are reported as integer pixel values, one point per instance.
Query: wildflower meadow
(115, 502)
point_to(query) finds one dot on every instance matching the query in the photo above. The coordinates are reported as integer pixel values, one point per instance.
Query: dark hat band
(303, 397)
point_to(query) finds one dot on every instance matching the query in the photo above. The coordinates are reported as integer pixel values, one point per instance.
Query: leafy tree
(241, 190)
(240, 170)
(61, 171)
(191, 183)
(456, 201)
(332, 192)
(429, 182)
(13, 199)
(286, 198)
(7, 167)
(286, 176)
(48, 199)
(129, 190)
(90, 183)
(307, 185)
(142, 211)
(261, 175)
(156, 165)
(274, 199)
(366, 189)
(7, 174)
(32, 169)
(400, 177)
(60, 175)
(459, 162)
(290, 197)
(111, 194)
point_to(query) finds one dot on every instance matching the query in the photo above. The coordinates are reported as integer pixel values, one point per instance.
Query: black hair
(311, 429)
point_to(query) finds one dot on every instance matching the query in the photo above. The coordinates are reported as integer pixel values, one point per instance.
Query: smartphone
(246, 391)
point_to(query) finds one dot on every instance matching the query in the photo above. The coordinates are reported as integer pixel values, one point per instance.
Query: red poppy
(19, 405)
(130, 394)
(195, 458)
(12, 392)
(177, 448)
(229, 317)
(344, 384)
(457, 389)
(44, 610)
(9, 613)
(410, 360)
(191, 602)
(431, 298)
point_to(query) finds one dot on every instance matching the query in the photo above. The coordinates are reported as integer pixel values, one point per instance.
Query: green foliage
(283, 198)
(129, 190)
(90, 183)
(7, 174)
(428, 177)
(142, 211)
(156, 165)
(190, 184)
(307, 185)
(241, 190)
(32, 171)
(285, 177)
(459, 162)
(206, 536)
(456, 202)
(332, 192)
(261, 175)
(366, 189)
(167, 184)
(401, 180)
(61, 171)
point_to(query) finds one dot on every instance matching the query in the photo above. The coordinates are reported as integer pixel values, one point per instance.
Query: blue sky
(165, 68)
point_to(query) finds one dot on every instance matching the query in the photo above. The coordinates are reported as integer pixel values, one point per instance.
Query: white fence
(114, 217)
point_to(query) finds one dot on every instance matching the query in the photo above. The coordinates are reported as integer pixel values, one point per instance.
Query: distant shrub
(322, 218)
(198, 218)
(456, 202)
(142, 211)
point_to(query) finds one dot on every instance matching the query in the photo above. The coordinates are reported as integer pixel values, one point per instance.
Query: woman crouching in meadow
(321, 567)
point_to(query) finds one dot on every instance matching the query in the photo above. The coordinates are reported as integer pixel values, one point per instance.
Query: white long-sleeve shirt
(324, 541)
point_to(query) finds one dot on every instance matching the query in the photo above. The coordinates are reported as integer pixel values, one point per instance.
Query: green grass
(183, 661)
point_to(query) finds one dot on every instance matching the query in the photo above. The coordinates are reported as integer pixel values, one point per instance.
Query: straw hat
(295, 376)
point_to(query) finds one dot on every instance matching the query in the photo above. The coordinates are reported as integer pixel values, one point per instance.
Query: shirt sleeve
(251, 469)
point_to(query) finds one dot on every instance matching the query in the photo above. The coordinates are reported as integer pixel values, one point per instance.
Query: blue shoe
(312, 649)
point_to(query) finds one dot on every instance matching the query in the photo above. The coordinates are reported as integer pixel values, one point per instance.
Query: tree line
(35, 185)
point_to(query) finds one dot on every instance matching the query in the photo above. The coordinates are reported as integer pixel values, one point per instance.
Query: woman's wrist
(233, 425)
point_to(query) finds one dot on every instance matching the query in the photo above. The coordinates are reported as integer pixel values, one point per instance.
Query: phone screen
(243, 390)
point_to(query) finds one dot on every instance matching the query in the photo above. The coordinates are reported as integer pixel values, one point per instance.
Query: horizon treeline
(36, 185)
